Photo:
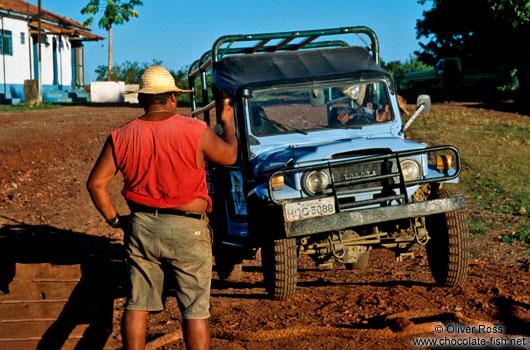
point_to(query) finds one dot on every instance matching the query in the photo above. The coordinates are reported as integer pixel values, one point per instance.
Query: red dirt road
(45, 158)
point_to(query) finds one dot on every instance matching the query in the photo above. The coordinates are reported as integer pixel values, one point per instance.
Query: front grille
(368, 179)
(343, 175)
(350, 180)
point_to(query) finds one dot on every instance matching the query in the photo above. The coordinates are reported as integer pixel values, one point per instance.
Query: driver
(349, 116)
(361, 115)
(383, 114)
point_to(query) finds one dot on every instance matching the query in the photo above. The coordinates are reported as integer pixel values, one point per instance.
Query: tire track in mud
(403, 324)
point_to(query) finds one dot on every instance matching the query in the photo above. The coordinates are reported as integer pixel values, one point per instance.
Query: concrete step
(78, 96)
(54, 94)
(57, 96)
(57, 99)
(9, 100)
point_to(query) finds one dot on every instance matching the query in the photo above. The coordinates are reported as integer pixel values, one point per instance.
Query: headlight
(410, 169)
(316, 181)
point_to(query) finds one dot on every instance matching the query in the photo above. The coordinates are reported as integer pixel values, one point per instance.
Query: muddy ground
(46, 156)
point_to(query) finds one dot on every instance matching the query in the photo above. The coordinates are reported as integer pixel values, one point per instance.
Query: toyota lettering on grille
(351, 176)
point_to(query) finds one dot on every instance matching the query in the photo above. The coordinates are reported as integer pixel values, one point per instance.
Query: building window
(44, 40)
(6, 43)
(22, 38)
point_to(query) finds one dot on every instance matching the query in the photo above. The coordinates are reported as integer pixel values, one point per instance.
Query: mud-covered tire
(280, 265)
(448, 248)
(361, 264)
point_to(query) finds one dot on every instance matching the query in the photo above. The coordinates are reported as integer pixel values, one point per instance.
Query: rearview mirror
(424, 100)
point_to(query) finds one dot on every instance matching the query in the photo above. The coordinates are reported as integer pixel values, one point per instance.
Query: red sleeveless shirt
(158, 161)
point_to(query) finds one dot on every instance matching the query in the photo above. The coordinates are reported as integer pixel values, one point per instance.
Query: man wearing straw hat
(161, 155)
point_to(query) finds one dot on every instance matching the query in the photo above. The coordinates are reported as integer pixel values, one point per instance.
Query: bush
(130, 73)
(398, 69)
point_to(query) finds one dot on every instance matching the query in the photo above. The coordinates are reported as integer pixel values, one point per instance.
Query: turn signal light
(443, 162)
(277, 182)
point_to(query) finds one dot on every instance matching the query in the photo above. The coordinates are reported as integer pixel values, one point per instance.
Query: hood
(305, 154)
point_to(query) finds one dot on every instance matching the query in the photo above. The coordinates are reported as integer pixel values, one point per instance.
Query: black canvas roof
(261, 71)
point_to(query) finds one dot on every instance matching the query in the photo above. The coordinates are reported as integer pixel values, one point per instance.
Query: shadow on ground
(507, 312)
(91, 302)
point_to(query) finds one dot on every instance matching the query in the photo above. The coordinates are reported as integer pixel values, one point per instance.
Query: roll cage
(259, 44)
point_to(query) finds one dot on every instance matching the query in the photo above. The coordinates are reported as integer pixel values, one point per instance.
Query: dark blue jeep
(323, 166)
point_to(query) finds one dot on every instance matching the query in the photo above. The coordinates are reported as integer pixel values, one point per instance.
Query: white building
(61, 70)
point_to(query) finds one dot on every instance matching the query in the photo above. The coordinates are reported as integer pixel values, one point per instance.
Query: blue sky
(178, 32)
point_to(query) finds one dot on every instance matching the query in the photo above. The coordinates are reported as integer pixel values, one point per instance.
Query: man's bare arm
(221, 151)
(97, 184)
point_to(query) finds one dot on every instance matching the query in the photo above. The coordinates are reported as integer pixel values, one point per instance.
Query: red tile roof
(68, 25)
(71, 32)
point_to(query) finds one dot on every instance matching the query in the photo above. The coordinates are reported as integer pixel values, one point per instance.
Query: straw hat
(157, 80)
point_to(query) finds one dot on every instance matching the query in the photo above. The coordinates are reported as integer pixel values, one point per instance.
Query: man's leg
(196, 334)
(133, 328)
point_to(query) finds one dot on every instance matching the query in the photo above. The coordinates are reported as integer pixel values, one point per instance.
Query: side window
(22, 38)
(6, 43)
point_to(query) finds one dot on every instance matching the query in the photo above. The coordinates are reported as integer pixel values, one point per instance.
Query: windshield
(302, 109)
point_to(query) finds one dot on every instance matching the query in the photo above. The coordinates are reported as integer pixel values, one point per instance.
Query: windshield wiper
(325, 126)
(281, 126)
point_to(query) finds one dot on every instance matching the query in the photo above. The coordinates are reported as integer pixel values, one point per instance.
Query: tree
(467, 29)
(489, 29)
(481, 32)
(516, 12)
(399, 69)
(130, 73)
(114, 12)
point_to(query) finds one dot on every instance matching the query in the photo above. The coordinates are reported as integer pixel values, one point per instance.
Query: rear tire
(228, 263)
(448, 248)
(280, 264)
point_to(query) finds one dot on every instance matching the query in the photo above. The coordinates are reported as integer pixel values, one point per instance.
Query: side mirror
(423, 105)
(316, 97)
(424, 100)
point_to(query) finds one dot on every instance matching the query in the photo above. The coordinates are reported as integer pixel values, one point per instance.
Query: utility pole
(29, 41)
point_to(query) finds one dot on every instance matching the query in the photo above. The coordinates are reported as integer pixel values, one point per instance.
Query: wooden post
(110, 55)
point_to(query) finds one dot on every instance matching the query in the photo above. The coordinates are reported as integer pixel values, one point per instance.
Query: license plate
(309, 209)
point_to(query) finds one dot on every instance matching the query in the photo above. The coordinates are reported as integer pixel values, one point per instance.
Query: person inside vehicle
(383, 113)
(364, 113)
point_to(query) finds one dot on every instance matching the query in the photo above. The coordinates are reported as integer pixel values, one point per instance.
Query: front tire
(448, 248)
(280, 264)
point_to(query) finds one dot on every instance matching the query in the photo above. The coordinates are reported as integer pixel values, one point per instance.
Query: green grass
(478, 226)
(523, 236)
(495, 166)
(26, 108)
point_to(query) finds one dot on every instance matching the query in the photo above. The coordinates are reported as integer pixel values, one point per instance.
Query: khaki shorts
(158, 243)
